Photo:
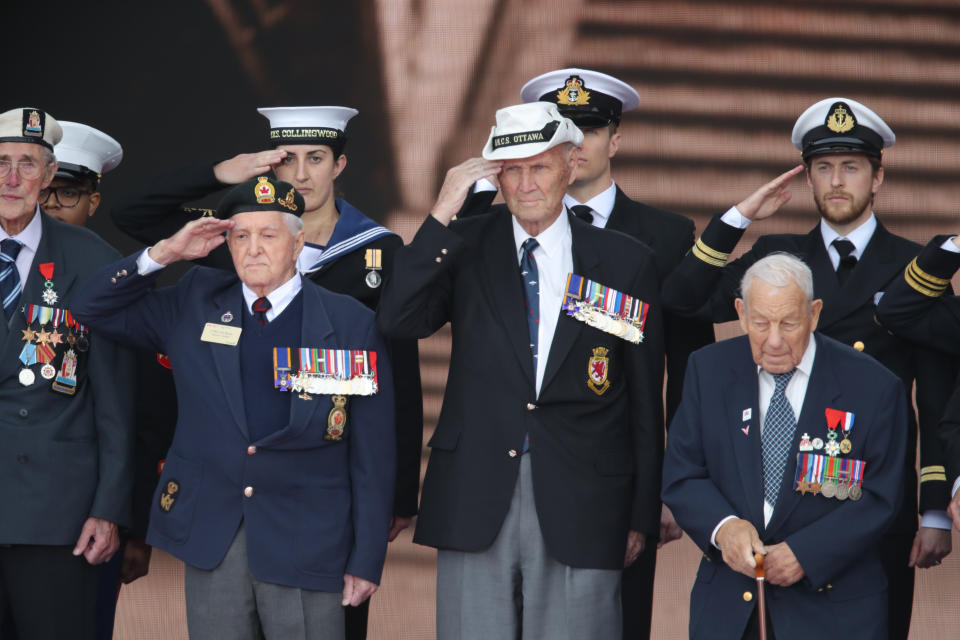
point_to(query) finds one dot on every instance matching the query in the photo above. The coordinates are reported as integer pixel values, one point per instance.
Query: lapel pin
(227, 317)
(747, 414)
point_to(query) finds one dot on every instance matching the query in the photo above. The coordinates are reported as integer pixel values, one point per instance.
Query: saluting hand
(766, 200)
(247, 165)
(195, 240)
(738, 541)
(457, 184)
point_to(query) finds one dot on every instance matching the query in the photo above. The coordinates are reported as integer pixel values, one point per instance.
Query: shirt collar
(860, 237)
(601, 204)
(806, 362)
(279, 298)
(30, 236)
(551, 239)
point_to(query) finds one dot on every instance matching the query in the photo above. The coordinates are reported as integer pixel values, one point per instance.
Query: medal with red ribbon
(49, 295)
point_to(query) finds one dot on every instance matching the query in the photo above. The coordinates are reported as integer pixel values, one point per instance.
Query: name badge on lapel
(221, 334)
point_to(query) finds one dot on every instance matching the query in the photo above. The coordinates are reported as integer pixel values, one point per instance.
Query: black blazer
(848, 316)
(64, 458)
(597, 457)
(157, 212)
(669, 236)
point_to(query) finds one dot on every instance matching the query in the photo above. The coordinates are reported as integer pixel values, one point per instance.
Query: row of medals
(603, 321)
(26, 377)
(833, 487)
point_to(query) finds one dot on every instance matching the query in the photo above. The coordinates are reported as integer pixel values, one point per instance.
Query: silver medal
(26, 377)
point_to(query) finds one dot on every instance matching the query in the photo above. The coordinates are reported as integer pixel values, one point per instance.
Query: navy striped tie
(9, 276)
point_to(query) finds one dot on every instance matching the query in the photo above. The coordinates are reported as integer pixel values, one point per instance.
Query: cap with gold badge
(525, 130)
(28, 124)
(85, 152)
(590, 98)
(260, 194)
(841, 125)
(309, 125)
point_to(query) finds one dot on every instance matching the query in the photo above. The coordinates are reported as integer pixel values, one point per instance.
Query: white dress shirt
(279, 298)
(554, 257)
(795, 392)
(860, 237)
(30, 239)
(601, 204)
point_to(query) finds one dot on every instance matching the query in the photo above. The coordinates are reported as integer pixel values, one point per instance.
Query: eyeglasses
(66, 196)
(28, 169)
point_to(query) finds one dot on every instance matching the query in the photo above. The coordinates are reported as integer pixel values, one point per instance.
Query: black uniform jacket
(596, 454)
(702, 284)
(670, 236)
(157, 212)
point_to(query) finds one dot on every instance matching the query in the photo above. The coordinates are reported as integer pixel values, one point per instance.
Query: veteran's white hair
(779, 270)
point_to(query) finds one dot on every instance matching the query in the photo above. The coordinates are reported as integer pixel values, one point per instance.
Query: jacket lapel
(226, 357)
(744, 436)
(315, 333)
(504, 291)
(585, 262)
(822, 392)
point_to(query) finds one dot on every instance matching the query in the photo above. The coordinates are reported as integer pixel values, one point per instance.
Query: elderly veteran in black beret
(65, 409)
(545, 464)
(278, 489)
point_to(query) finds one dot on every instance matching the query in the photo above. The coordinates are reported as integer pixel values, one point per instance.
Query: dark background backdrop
(179, 82)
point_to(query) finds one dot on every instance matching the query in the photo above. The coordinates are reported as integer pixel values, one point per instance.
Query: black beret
(261, 194)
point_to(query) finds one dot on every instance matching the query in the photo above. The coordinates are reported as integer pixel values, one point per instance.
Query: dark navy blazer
(319, 508)
(712, 469)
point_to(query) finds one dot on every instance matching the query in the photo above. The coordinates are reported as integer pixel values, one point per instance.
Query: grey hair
(779, 270)
(48, 157)
(294, 224)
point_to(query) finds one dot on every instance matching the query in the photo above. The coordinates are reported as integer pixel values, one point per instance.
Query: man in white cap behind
(854, 260)
(84, 154)
(545, 464)
(65, 463)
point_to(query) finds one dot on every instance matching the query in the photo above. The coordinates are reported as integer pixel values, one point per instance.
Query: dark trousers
(637, 594)
(752, 632)
(48, 593)
(894, 554)
(355, 621)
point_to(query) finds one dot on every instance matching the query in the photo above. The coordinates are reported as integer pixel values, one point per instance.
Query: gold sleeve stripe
(923, 275)
(920, 287)
(930, 477)
(708, 255)
(934, 468)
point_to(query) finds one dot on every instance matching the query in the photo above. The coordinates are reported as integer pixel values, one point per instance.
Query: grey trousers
(515, 589)
(228, 602)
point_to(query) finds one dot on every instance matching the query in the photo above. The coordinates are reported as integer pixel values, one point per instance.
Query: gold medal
(336, 419)
(845, 446)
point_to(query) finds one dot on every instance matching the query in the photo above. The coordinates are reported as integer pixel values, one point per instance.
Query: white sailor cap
(841, 125)
(308, 125)
(28, 124)
(590, 98)
(86, 152)
(525, 130)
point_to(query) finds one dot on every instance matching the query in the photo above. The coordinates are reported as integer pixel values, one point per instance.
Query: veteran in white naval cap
(65, 402)
(545, 465)
(854, 259)
(596, 103)
(84, 154)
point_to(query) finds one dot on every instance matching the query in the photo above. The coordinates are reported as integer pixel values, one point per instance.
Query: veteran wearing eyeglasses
(65, 409)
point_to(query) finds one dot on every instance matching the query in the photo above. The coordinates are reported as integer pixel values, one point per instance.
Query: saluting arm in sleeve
(918, 305)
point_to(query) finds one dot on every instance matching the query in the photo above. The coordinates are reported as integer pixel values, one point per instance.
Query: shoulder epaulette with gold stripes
(922, 282)
(710, 256)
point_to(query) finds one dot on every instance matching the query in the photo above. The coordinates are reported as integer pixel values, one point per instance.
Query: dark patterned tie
(778, 428)
(9, 276)
(531, 291)
(260, 308)
(847, 261)
(583, 212)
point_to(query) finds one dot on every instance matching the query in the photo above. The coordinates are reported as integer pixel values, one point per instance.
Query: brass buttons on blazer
(443, 251)
(438, 259)
(747, 596)
(251, 450)
(858, 345)
(512, 453)
(531, 406)
(248, 492)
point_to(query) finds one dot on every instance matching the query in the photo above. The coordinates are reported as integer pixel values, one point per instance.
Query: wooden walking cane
(761, 602)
